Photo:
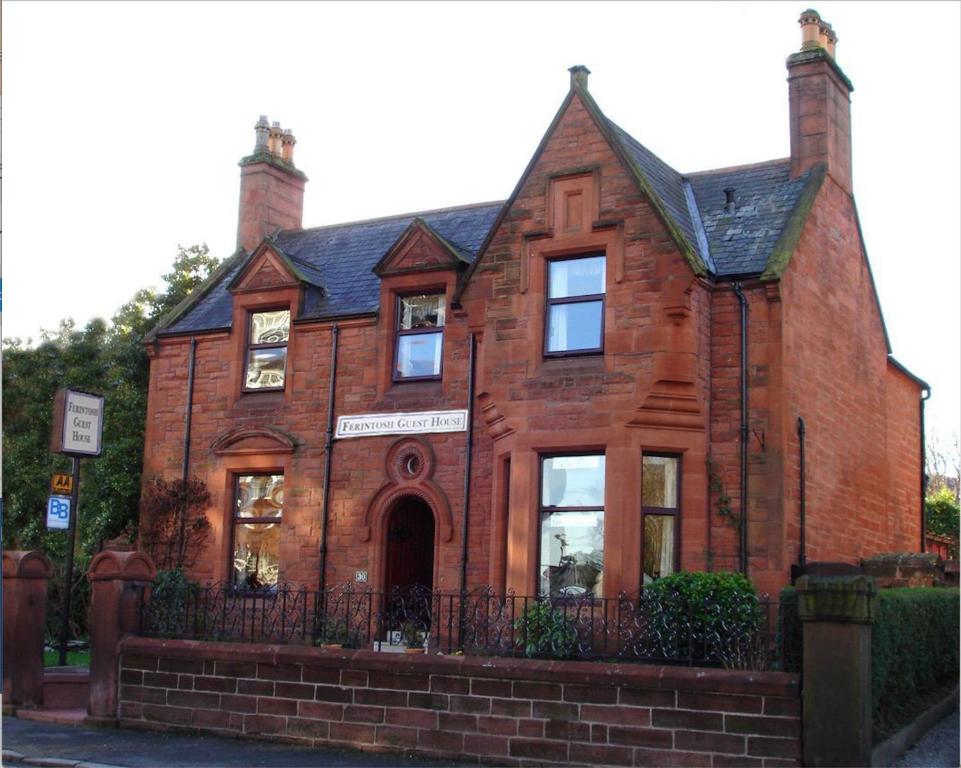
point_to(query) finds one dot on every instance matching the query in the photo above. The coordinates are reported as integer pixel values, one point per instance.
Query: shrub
(943, 516)
(545, 630)
(170, 594)
(176, 530)
(707, 616)
(333, 632)
(914, 651)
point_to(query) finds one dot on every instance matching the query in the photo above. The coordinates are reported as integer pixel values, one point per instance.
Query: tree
(108, 358)
(942, 460)
(944, 516)
(177, 529)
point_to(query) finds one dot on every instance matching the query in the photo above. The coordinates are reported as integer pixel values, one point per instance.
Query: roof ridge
(646, 148)
(744, 167)
(392, 217)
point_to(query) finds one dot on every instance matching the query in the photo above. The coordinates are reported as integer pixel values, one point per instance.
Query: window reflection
(572, 526)
(258, 507)
(267, 350)
(419, 346)
(660, 510)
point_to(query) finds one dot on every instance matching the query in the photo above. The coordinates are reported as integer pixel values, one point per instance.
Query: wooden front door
(410, 546)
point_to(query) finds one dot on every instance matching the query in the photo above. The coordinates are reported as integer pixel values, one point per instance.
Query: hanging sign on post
(78, 423)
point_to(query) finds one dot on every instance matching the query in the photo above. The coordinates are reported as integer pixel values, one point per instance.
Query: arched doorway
(410, 546)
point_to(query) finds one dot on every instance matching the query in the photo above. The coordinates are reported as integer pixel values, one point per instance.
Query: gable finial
(579, 75)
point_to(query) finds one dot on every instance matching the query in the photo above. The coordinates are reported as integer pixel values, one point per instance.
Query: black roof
(336, 261)
(741, 239)
(340, 257)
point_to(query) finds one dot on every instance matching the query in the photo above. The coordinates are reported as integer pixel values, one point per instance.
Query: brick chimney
(271, 187)
(820, 103)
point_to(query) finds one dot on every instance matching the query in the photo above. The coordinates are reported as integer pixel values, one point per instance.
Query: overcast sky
(123, 124)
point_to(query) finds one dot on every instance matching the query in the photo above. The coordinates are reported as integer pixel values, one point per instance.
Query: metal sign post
(77, 432)
(71, 546)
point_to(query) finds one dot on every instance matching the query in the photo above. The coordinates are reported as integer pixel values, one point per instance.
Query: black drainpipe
(743, 302)
(802, 559)
(328, 448)
(472, 354)
(925, 394)
(185, 465)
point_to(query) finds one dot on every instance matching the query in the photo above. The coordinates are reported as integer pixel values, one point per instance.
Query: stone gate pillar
(837, 613)
(117, 584)
(25, 576)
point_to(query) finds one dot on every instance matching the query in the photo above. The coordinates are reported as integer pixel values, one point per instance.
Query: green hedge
(914, 651)
(707, 616)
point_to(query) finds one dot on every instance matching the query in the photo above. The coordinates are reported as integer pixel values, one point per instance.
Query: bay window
(571, 526)
(660, 515)
(575, 306)
(419, 345)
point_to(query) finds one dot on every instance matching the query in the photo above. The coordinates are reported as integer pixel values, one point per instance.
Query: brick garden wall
(495, 711)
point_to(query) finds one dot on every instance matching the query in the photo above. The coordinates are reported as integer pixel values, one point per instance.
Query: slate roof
(764, 197)
(340, 257)
(667, 183)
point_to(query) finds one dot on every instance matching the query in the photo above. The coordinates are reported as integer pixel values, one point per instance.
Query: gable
(419, 249)
(577, 107)
(266, 269)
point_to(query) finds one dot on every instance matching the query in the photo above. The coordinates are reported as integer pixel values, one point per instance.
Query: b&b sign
(58, 512)
(77, 423)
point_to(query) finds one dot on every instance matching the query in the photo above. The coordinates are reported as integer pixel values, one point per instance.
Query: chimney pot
(832, 40)
(287, 141)
(274, 139)
(579, 74)
(261, 129)
(810, 22)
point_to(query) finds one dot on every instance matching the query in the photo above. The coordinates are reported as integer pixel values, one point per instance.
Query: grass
(74, 658)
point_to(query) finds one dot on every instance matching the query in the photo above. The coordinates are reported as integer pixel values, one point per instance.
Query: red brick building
(606, 378)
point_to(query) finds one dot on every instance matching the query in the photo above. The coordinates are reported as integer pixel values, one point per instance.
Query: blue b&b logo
(58, 512)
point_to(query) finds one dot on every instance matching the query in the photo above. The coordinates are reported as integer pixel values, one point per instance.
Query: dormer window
(419, 344)
(575, 306)
(267, 350)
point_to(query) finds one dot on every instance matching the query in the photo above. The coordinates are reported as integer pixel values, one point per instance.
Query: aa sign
(77, 423)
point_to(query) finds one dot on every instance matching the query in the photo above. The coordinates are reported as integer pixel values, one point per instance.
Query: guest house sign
(78, 423)
(370, 424)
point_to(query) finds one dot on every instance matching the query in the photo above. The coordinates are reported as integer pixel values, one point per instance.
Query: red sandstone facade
(666, 383)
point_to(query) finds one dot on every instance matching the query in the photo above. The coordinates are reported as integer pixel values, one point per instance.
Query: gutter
(925, 394)
(802, 480)
(468, 461)
(328, 448)
(185, 463)
(743, 448)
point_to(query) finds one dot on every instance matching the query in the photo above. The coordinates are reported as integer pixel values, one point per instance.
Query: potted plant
(545, 631)
(413, 636)
(333, 634)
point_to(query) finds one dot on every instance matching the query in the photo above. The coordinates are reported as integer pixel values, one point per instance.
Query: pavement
(938, 748)
(27, 742)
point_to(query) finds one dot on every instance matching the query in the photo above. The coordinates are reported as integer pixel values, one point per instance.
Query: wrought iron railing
(742, 632)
